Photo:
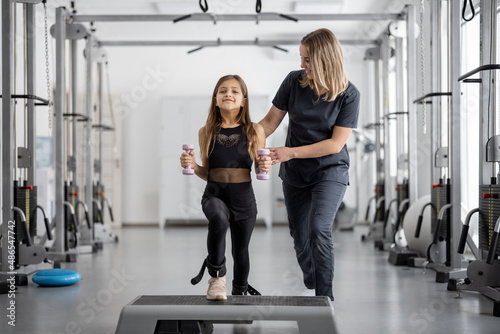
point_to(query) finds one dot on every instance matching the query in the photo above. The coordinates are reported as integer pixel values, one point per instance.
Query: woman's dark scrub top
(311, 120)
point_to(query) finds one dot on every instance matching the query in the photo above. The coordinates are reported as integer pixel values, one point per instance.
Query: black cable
(471, 9)
(258, 6)
(204, 8)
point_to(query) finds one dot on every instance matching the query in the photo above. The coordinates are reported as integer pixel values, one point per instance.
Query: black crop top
(230, 149)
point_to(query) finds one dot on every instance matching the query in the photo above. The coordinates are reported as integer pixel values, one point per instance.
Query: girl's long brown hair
(327, 63)
(214, 121)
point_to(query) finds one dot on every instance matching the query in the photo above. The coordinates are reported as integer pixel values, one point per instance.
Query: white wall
(142, 77)
(145, 76)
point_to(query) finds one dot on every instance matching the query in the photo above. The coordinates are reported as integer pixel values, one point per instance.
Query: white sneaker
(308, 293)
(216, 288)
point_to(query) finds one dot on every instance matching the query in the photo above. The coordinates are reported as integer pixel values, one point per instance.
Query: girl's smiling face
(229, 95)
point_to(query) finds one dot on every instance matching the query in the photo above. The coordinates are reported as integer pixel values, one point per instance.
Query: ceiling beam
(256, 42)
(238, 17)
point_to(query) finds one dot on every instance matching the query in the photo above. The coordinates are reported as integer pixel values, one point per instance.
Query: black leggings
(219, 220)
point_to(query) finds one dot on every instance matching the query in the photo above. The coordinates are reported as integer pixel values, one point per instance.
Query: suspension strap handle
(204, 8)
(258, 6)
(464, 8)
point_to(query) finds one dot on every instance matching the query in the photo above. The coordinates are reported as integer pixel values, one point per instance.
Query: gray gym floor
(371, 295)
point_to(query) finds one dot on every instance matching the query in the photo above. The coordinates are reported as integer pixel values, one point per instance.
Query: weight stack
(440, 196)
(98, 194)
(25, 198)
(379, 192)
(489, 211)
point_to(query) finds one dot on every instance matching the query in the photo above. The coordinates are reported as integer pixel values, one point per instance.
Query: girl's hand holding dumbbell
(187, 159)
(264, 163)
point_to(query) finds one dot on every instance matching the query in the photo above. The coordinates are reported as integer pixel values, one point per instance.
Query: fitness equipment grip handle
(110, 209)
(387, 213)
(47, 228)
(111, 214)
(367, 214)
(435, 238)
(75, 221)
(24, 227)
(463, 239)
(87, 218)
(493, 248)
(419, 226)
(396, 227)
(46, 221)
(386, 220)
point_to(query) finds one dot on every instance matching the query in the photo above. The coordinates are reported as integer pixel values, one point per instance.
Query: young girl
(228, 145)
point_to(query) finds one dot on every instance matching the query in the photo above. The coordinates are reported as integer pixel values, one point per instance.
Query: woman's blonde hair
(327, 63)
(214, 121)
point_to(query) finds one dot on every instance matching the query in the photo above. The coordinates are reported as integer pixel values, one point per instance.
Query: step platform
(156, 314)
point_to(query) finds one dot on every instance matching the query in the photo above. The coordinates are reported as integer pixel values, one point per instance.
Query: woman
(323, 108)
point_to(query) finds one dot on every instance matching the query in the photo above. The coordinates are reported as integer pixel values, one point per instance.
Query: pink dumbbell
(263, 152)
(188, 170)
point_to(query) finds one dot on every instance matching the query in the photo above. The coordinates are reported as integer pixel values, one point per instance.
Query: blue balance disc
(56, 277)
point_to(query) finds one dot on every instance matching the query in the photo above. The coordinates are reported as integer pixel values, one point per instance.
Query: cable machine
(375, 231)
(20, 254)
(483, 274)
(439, 253)
(102, 231)
(67, 201)
(446, 195)
(396, 123)
(384, 197)
(440, 189)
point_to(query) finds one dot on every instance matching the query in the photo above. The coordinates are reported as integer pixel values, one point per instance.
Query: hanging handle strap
(471, 9)
(204, 8)
(258, 6)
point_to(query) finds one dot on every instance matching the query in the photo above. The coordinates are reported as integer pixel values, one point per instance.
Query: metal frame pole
(236, 17)
(74, 107)
(7, 195)
(454, 135)
(411, 48)
(384, 55)
(88, 137)
(216, 43)
(30, 70)
(401, 121)
(378, 139)
(435, 126)
(59, 109)
(487, 123)
(487, 127)
(100, 85)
